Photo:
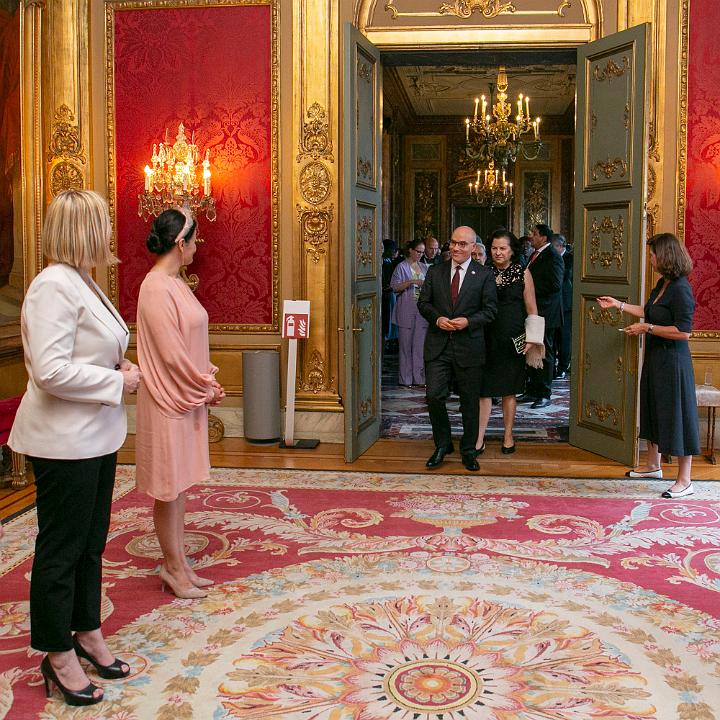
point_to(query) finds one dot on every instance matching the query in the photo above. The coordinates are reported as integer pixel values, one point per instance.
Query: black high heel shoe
(113, 671)
(72, 697)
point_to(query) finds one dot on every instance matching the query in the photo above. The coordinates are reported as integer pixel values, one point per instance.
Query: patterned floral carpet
(354, 596)
(405, 415)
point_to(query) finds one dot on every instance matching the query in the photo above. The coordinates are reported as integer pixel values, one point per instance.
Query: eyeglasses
(460, 244)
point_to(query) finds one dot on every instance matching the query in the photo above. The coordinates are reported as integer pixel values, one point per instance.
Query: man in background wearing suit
(563, 335)
(547, 270)
(458, 299)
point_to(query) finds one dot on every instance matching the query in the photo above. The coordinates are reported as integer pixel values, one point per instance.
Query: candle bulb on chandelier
(487, 122)
(148, 172)
(537, 128)
(520, 105)
(467, 129)
(477, 101)
(527, 107)
(484, 105)
(504, 178)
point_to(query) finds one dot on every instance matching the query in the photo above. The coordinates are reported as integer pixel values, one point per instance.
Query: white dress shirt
(463, 270)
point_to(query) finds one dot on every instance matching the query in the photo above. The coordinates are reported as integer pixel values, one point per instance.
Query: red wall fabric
(702, 215)
(209, 68)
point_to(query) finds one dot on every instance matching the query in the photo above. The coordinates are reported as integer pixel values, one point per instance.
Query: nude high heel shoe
(191, 593)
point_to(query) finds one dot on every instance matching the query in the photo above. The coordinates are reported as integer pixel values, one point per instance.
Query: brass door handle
(357, 329)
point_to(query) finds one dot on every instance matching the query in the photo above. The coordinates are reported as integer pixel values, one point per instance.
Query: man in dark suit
(458, 299)
(563, 335)
(432, 252)
(547, 270)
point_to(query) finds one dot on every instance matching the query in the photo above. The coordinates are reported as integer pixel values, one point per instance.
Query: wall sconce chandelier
(176, 178)
(491, 189)
(495, 137)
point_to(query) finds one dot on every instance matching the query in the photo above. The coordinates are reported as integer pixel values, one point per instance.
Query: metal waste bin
(261, 395)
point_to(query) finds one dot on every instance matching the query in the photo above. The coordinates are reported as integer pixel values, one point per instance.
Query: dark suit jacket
(477, 302)
(567, 284)
(547, 272)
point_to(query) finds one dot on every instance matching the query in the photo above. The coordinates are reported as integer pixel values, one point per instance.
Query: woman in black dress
(668, 410)
(504, 372)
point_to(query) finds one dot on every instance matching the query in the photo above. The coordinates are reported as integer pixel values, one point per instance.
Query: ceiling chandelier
(493, 191)
(494, 136)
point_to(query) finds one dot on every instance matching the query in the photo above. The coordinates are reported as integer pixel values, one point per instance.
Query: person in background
(432, 255)
(479, 253)
(668, 410)
(389, 329)
(71, 423)
(527, 250)
(406, 281)
(171, 440)
(547, 270)
(563, 334)
(445, 252)
(505, 369)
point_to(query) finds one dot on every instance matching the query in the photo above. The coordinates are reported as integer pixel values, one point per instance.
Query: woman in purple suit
(406, 281)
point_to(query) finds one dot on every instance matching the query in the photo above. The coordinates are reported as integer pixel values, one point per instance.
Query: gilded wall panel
(365, 345)
(602, 391)
(606, 232)
(609, 128)
(315, 197)
(366, 84)
(366, 245)
(536, 199)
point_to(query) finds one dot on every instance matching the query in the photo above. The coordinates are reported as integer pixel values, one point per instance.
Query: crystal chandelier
(494, 190)
(173, 180)
(495, 137)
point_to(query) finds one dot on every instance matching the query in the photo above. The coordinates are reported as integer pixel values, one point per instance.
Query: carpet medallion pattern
(353, 596)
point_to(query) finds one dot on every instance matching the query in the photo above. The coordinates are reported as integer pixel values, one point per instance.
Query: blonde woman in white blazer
(71, 422)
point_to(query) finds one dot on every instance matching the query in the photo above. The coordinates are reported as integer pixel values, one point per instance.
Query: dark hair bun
(154, 243)
(165, 230)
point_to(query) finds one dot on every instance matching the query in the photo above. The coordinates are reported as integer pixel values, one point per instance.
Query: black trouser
(438, 376)
(73, 511)
(539, 380)
(563, 342)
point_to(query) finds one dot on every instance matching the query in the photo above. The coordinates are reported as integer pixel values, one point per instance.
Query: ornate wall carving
(66, 153)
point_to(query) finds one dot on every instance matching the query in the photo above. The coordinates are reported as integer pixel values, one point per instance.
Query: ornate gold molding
(602, 411)
(365, 231)
(609, 167)
(315, 136)
(611, 70)
(315, 183)
(682, 120)
(66, 153)
(313, 376)
(488, 9)
(608, 227)
(315, 230)
(465, 8)
(604, 316)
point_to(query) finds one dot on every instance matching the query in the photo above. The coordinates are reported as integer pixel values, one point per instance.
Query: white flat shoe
(650, 474)
(688, 490)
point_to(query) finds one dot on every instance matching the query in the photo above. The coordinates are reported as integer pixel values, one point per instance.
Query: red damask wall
(209, 68)
(702, 217)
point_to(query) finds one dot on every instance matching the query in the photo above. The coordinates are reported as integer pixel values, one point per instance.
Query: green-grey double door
(610, 191)
(362, 88)
(610, 232)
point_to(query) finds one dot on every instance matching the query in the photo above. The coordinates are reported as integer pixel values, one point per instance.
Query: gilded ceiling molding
(66, 154)
(365, 11)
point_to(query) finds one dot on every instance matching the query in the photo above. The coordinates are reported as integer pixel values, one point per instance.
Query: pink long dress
(171, 439)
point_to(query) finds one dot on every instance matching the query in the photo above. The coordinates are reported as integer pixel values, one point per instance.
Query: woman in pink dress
(179, 383)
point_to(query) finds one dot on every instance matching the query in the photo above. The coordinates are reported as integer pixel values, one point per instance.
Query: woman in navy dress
(668, 410)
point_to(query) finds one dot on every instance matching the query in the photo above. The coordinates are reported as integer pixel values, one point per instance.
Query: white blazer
(73, 407)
